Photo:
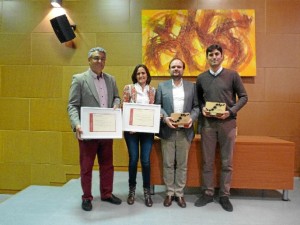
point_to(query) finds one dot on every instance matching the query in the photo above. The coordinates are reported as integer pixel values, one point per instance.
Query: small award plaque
(215, 108)
(180, 119)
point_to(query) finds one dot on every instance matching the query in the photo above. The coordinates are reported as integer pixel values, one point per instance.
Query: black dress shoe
(168, 200)
(180, 201)
(226, 204)
(203, 200)
(86, 205)
(113, 200)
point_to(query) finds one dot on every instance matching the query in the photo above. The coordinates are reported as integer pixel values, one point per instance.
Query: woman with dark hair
(139, 143)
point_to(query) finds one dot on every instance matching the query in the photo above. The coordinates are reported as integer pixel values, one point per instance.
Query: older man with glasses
(94, 88)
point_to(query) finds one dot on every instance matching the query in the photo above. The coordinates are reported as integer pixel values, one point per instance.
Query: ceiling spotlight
(56, 3)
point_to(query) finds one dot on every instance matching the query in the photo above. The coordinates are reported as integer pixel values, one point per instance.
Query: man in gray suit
(176, 96)
(94, 88)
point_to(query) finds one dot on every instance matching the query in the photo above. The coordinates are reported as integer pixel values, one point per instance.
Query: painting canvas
(187, 33)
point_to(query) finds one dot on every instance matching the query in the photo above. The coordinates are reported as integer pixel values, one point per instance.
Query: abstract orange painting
(187, 33)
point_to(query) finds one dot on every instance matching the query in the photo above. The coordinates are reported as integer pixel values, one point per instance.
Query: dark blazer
(164, 97)
(83, 93)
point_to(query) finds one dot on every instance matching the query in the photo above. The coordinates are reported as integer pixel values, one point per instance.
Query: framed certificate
(101, 123)
(141, 117)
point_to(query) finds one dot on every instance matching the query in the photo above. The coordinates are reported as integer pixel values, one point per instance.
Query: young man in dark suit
(176, 96)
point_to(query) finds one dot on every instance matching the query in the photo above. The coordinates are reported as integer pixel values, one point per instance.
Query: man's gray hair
(96, 49)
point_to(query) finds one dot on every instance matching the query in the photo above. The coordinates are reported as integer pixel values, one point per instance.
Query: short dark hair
(214, 47)
(183, 64)
(133, 76)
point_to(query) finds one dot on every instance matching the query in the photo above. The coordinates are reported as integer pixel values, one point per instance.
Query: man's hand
(223, 116)
(169, 122)
(78, 132)
(190, 123)
(205, 112)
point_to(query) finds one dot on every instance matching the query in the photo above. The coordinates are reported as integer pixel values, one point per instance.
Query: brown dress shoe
(180, 201)
(168, 200)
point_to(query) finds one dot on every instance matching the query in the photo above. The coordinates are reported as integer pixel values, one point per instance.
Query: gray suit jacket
(164, 97)
(83, 93)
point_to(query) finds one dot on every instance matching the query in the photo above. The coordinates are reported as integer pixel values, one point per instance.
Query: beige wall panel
(120, 153)
(57, 174)
(123, 49)
(31, 81)
(46, 147)
(156, 80)
(72, 170)
(21, 176)
(15, 49)
(260, 49)
(47, 50)
(294, 87)
(257, 5)
(1, 10)
(14, 114)
(267, 119)
(1, 145)
(23, 16)
(0, 77)
(255, 86)
(282, 18)
(68, 72)
(295, 129)
(49, 115)
(70, 149)
(100, 16)
(122, 76)
(17, 147)
(278, 50)
(282, 85)
(40, 174)
(137, 6)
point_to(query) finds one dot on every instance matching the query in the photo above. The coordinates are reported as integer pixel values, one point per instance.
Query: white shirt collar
(138, 86)
(94, 74)
(181, 83)
(217, 72)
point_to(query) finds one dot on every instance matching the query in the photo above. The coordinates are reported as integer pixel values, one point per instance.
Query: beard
(176, 77)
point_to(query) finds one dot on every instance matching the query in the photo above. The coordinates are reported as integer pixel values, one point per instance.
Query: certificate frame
(141, 117)
(101, 123)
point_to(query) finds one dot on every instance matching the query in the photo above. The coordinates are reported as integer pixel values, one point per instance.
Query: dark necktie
(99, 76)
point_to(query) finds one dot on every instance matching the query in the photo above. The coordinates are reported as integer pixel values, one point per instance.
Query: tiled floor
(40, 205)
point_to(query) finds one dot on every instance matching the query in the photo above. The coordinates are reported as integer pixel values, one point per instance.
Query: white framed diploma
(101, 123)
(141, 117)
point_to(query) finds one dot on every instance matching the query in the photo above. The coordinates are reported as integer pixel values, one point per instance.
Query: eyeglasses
(96, 58)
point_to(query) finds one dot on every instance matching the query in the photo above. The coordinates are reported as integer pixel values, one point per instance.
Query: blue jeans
(134, 142)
